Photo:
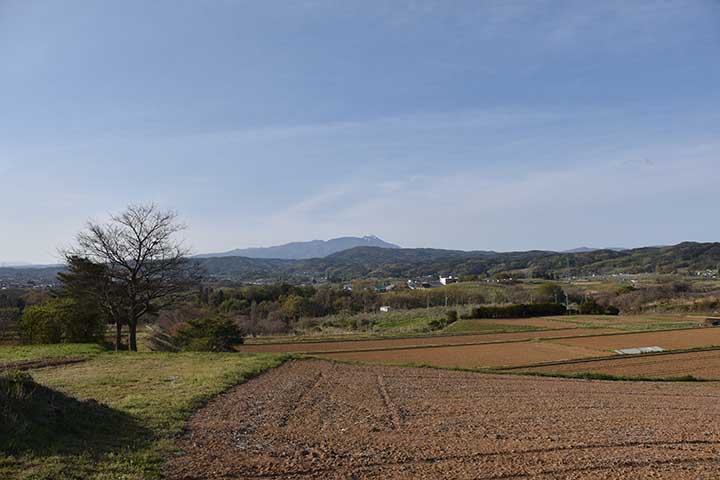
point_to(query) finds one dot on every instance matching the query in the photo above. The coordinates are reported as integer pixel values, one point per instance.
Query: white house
(448, 280)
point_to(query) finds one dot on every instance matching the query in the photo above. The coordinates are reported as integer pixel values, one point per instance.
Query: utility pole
(567, 303)
(568, 268)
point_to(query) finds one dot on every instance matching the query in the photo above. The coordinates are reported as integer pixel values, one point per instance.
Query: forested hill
(373, 262)
(376, 262)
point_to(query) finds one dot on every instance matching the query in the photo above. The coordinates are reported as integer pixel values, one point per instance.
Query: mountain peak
(304, 250)
(591, 249)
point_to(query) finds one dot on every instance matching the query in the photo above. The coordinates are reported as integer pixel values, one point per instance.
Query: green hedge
(61, 321)
(518, 311)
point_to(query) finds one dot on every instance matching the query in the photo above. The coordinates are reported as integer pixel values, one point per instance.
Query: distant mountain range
(379, 262)
(14, 264)
(305, 250)
(590, 249)
(373, 262)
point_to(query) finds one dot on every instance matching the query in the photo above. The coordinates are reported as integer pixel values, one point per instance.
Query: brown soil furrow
(450, 424)
(297, 406)
(617, 467)
(41, 363)
(371, 467)
(393, 414)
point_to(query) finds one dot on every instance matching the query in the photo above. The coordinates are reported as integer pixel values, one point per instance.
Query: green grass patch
(147, 399)
(629, 323)
(405, 322)
(35, 352)
(35, 418)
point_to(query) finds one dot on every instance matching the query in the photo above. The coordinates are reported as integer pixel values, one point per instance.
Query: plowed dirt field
(474, 356)
(675, 339)
(698, 364)
(299, 347)
(318, 420)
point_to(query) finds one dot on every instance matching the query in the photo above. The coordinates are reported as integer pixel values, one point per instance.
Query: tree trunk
(118, 335)
(132, 342)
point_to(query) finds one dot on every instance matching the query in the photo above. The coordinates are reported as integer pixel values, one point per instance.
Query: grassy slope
(646, 322)
(156, 391)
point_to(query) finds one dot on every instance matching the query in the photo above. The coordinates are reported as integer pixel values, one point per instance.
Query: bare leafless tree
(146, 264)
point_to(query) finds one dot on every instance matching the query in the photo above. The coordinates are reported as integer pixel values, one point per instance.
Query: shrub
(592, 307)
(160, 339)
(627, 288)
(41, 324)
(363, 323)
(61, 321)
(213, 334)
(451, 316)
(550, 291)
(436, 325)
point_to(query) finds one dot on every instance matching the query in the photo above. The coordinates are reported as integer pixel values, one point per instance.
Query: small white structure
(448, 280)
(385, 308)
(639, 350)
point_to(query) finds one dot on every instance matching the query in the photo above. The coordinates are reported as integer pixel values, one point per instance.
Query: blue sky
(502, 125)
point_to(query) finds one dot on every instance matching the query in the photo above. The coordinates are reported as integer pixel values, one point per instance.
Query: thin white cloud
(478, 209)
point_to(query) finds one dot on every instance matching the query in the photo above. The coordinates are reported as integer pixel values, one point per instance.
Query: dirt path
(41, 363)
(317, 420)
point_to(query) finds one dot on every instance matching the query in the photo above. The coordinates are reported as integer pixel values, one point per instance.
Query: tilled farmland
(702, 364)
(474, 356)
(353, 345)
(317, 420)
(672, 339)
